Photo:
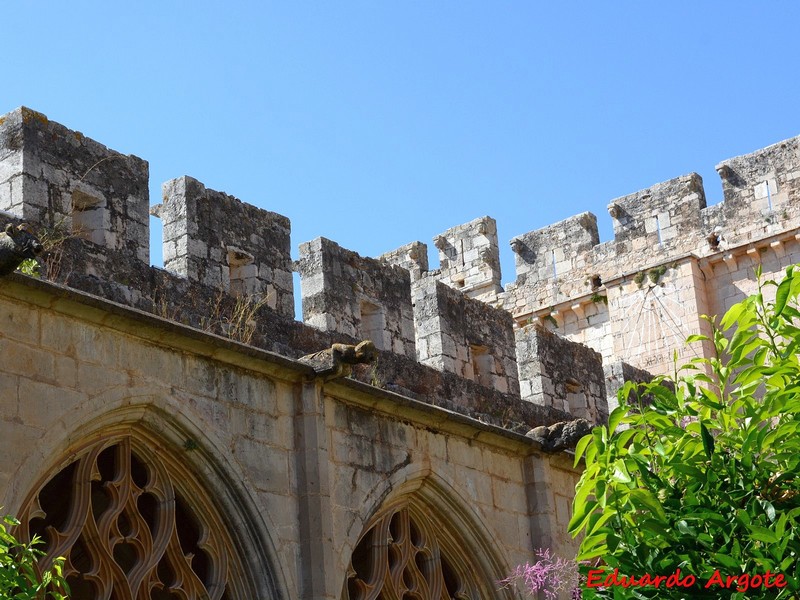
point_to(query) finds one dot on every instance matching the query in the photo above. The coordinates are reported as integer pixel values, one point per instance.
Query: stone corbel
(579, 310)
(778, 248)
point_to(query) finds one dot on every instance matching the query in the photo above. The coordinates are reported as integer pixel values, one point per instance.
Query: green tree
(701, 472)
(19, 575)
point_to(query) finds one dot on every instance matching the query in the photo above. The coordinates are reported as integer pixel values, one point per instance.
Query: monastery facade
(176, 433)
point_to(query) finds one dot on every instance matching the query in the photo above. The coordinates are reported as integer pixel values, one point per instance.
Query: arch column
(317, 564)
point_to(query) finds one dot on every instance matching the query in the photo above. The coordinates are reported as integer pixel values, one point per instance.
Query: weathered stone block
(465, 336)
(56, 167)
(469, 256)
(357, 296)
(227, 244)
(556, 369)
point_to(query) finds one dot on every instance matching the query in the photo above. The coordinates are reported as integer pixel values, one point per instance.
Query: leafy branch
(706, 476)
(21, 578)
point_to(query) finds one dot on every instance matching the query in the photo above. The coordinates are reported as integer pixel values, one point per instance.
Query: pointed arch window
(133, 525)
(406, 554)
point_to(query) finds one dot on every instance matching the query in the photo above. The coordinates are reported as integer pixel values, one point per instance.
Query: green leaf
(692, 472)
(616, 417)
(708, 440)
(727, 561)
(591, 553)
(580, 447)
(581, 516)
(769, 510)
(645, 500)
(683, 527)
(620, 474)
(584, 489)
(697, 338)
(732, 316)
(782, 295)
(622, 438)
(780, 526)
(595, 525)
(599, 435)
(762, 534)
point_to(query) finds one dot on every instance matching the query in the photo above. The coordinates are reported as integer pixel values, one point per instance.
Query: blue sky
(380, 123)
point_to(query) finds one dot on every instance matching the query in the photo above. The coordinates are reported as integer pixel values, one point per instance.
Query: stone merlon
(228, 269)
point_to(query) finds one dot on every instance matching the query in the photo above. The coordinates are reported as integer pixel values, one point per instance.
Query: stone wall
(356, 296)
(464, 336)
(664, 216)
(222, 242)
(632, 298)
(637, 297)
(557, 250)
(469, 258)
(556, 372)
(295, 465)
(62, 180)
(760, 193)
(413, 257)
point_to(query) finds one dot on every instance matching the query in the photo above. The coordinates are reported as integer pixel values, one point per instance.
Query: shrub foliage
(701, 472)
(20, 576)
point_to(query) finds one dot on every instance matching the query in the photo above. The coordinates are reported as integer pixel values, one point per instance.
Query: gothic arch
(423, 544)
(141, 517)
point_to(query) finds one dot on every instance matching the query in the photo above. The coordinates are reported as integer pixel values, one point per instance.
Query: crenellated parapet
(413, 257)
(636, 297)
(225, 243)
(556, 251)
(565, 261)
(564, 264)
(760, 195)
(469, 258)
(556, 372)
(356, 296)
(465, 336)
(663, 216)
(61, 179)
(541, 344)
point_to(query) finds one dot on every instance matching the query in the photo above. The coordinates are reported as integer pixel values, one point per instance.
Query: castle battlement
(220, 241)
(361, 297)
(666, 222)
(555, 251)
(228, 269)
(52, 176)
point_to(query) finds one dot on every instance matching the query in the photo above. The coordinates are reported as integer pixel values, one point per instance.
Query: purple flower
(549, 574)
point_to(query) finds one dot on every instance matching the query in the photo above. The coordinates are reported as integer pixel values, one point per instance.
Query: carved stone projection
(126, 531)
(401, 557)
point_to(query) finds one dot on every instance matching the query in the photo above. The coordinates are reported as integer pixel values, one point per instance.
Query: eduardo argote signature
(742, 582)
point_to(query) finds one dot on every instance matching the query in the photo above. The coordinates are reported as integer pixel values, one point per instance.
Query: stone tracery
(403, 556)
(125, 517)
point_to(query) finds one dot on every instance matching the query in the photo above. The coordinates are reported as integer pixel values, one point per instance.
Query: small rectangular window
(482, 363)
(88, 216)
(243, 273)
(373, 324)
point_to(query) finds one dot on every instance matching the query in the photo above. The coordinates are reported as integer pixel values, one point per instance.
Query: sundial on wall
(655, 322)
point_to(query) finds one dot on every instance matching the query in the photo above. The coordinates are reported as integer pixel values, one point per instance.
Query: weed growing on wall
(52, 239)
